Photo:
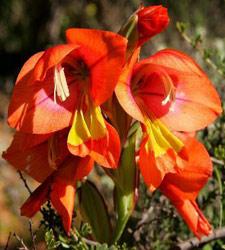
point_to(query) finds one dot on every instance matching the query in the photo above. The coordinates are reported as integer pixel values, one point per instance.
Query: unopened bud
(151, 21)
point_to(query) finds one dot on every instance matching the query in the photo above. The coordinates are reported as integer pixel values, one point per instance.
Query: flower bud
(151, 21)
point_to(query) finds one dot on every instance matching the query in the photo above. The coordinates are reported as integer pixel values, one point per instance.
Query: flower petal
(27, 69)
(123, 89)
(183, 187)
(161, 152)
(153, 169)
(105, 150)
(194, 218)
(196, 101)
(60, 188)
(52, 57)
(33, 204)
(62, 197)
(104, 54)
(188, 182)
(32, 108)
(63, 187)
(34, 159)
(86, 125)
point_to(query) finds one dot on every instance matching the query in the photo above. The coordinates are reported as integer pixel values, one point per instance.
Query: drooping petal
(196, 101)
(32, 156)
(194, 218)
(36, 200)
(63, 188)
(62, 197)
(104, 54)
(60, 187)
(188, 182)
(32, 108)
(183, 187)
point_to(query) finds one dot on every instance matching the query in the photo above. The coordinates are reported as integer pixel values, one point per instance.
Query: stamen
(64, 82)
(169, 91)
(166, 100)
(60, 85)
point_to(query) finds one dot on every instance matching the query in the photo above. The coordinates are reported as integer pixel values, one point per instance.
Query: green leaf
(50, 240)
(94, 211)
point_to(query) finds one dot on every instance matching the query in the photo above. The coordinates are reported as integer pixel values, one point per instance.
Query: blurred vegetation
(29, 26)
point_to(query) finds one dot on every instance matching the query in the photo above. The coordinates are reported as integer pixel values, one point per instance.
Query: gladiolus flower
(183, 187)
(47, 159)
(151, 21)
(65, 85)
(166, 92)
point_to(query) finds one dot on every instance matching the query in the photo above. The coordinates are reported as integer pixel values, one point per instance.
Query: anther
(60, 85)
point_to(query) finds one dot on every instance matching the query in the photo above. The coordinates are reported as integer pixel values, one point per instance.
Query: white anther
(60, 84)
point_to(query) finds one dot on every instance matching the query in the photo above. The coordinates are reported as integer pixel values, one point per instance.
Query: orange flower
(183, 187)
(166, 92)
(65, 85)
(47, 159)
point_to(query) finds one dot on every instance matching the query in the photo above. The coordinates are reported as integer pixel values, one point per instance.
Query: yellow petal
(97, 123)
(88, 125)
(161, 138)
(79, 131)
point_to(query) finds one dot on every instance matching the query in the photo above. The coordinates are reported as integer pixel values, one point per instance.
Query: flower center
(72, 72)
(154, 88)
(80, 70)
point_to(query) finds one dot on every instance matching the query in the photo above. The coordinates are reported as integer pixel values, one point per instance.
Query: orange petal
(36, 200)
(76, 168)
(196, 103)
(32, 108)
(105, 151)
(26, 71)
(183, 187)
(51, 58)
(123, 89)
(104, 53)
(33, 158)
(153, 169)
(62, 197)
(63, 186)
(189, 181)
(194, 218)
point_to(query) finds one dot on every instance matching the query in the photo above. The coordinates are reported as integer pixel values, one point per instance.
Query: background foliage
(29, 26)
